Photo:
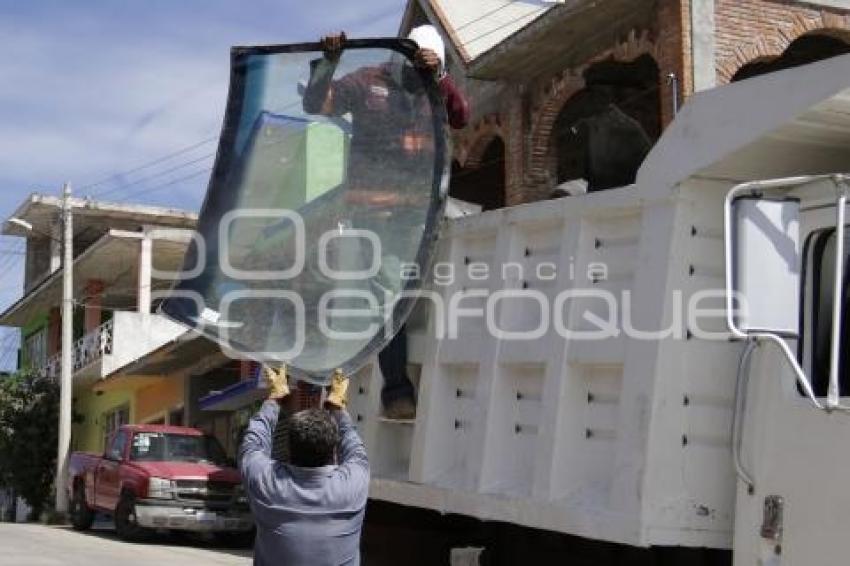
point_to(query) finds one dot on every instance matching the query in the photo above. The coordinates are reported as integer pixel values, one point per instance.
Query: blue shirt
(304, 516)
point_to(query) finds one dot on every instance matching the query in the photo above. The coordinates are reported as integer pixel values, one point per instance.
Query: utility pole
(67, 360)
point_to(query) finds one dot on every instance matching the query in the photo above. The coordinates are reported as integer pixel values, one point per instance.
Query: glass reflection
(326, 192)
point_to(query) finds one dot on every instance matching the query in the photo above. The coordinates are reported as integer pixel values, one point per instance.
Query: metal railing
(93, 345)
(51, 367)
(87, 350)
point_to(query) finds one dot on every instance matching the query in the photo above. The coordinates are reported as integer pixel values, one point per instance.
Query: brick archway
(479, 169)
(562, 88)
(471, 147)
(772, 44)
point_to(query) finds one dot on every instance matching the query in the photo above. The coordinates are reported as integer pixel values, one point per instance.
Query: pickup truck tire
(82, 516)
(125, 519)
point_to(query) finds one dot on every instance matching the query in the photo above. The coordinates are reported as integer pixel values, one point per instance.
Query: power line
(17, 245)
(156, 175)
(147, 190)
(154, 188)
(13, 253)
(10, 262)
(182, 151)
(10, 258)
(8, 339)
(7, 357)
(9, 343)
(9, 349)
(156, 161)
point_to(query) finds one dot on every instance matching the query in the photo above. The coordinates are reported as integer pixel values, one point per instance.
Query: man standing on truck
(310, 510)
(370, 94)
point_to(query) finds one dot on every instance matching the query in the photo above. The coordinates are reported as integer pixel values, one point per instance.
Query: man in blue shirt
(308, 511)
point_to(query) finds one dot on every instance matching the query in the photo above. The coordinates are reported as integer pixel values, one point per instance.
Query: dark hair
(313, 438)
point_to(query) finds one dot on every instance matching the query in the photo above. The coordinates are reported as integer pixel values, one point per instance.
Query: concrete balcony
(114, 344)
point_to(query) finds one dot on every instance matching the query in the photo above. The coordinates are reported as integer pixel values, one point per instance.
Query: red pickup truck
(160, 477)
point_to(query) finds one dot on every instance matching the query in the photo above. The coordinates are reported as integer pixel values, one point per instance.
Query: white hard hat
(427, 37)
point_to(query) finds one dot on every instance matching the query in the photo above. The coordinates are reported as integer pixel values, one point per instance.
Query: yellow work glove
(338, 391)
(278, 386)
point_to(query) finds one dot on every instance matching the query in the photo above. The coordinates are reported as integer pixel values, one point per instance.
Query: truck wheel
(125, 520)
(82, 516)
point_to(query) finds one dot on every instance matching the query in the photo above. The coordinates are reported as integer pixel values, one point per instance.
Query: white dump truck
(594, 377)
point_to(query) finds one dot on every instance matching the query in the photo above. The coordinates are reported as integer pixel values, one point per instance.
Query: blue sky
(92, 89)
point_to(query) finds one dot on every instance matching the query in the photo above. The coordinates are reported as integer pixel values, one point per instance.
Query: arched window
(604, 132)
(484, 182)
(802, 51)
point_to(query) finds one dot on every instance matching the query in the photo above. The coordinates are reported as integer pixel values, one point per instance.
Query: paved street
(38, 545)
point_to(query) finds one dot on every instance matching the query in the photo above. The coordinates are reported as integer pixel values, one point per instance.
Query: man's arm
(457, 106)
(352, 452)
(353, 462)
(323, 95)
(353, 465)
(319, 94)
(255, 452)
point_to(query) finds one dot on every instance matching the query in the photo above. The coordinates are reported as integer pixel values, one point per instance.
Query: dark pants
(393, 363)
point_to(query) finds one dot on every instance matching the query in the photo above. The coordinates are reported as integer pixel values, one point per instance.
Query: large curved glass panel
(320, 217)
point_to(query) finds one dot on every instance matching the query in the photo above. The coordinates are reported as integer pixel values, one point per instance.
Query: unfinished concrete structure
(120, 254)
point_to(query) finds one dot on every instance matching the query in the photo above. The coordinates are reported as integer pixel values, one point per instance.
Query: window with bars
(35, 349)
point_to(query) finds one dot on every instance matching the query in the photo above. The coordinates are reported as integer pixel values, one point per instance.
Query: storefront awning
(234, 397)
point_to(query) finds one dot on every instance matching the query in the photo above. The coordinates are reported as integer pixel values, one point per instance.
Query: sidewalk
(39, 545)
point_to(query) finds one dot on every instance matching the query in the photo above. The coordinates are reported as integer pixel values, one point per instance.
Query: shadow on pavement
(105, 529)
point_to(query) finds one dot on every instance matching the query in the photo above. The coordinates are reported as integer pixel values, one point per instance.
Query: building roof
(475, 26)
(112, 259)
(189, 353)
(566, 36)
(91, 215)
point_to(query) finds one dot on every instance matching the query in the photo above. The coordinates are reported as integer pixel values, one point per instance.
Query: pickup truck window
(119, 443)
(112, 421)
(167, 447)
(820, 283)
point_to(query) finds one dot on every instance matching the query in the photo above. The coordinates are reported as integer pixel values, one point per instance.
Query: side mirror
(763, 267)
(766, 263)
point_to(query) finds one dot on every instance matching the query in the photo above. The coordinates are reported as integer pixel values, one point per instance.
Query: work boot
(400, 410)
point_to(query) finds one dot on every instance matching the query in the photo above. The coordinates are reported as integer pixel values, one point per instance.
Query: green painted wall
(88, 435)
(35, 325)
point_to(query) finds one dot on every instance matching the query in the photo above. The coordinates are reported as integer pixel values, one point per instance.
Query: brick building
(535, 71)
